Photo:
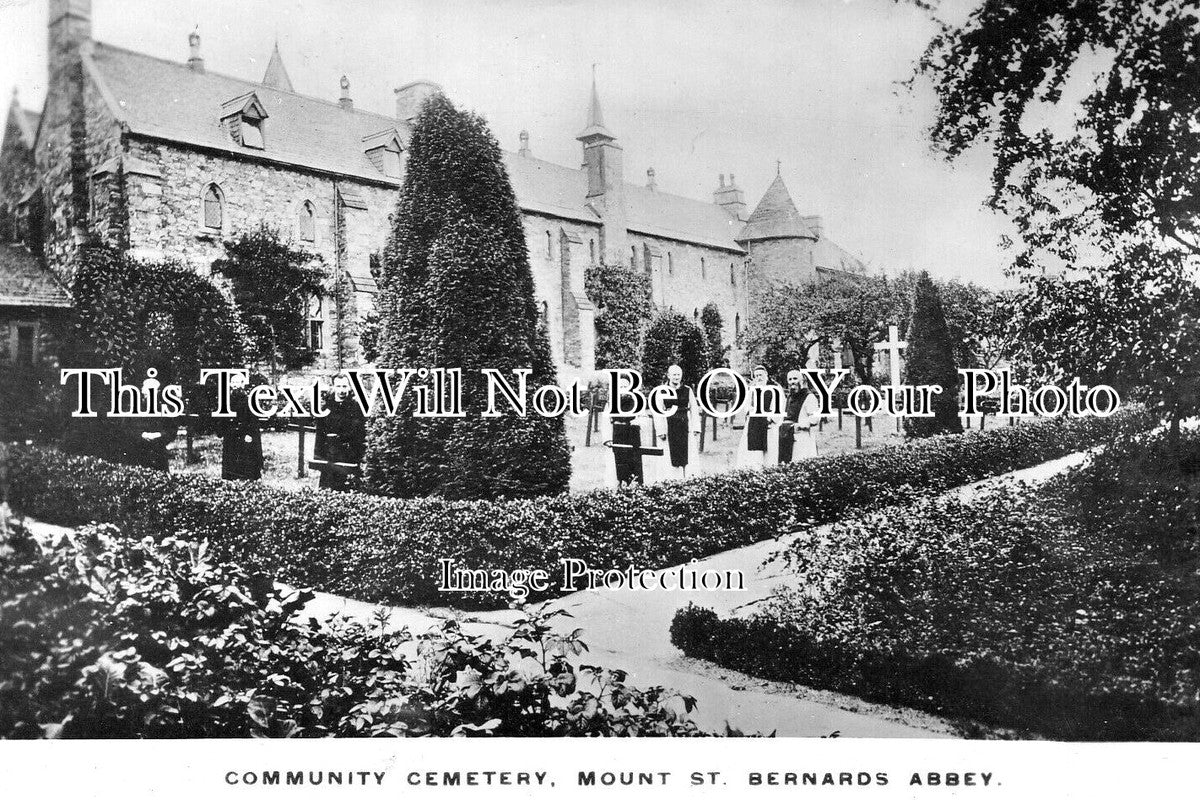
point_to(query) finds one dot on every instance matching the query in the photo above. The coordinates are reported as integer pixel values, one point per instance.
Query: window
(214, 208)
(544, 314)
(695, 313)
(647, 260)
(670, 263)
(732, 277)
(25, 339)
(633, 256)
(316, 323)
(737, 327)
(592, 251)
(549, 245)
(252, 134)
(703, 268)
(392, 166)
(307, 222)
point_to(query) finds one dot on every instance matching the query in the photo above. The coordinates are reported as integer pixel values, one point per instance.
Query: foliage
(929, 360)
(387, 550)
(136, 316)
(623, 307)
(714, 327)
(672, 338)
(273, 281)
(976, 318)
(1106, 204)
(31, 398)
(103, 637)
(1018, 608)
(368, 336)
(458, 293)
(794, 317)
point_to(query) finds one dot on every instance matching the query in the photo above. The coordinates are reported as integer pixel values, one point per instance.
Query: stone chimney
(729, 197)
(525, 151)
(345, 100)
(651, 183)
(411, 96)
(70, 25)
(815, 224)
(195, 60)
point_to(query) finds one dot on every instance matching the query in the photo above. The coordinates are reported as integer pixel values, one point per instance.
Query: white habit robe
(804, 428)
(663, 467)
(746, 458)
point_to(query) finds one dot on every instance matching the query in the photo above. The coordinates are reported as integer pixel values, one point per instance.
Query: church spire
(595, 121)
(276, 75)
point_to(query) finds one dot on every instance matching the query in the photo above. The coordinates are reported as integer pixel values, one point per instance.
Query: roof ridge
(182, 65)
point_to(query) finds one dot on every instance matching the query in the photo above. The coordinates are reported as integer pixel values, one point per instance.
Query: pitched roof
(26, 121)
(276, 75)
(168, 100)
(24, 281)
(775, 217)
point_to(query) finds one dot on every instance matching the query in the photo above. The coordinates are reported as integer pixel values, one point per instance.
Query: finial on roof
(276, 75)
(778, 168)
(721, 178)
(732, 179)
(524, 151)
(651, 182)
(195, 60)
(595, 119)
(345, 101)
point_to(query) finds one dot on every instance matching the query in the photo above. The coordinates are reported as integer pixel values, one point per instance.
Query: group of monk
(648, 447)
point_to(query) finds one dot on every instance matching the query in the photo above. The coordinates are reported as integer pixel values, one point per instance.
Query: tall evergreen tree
(672, 338)
(457, 291)
(714, 326)
(929, 359)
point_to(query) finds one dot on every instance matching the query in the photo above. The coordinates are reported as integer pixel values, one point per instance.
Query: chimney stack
(345, 101)
(70, 26)
(411, 96)
(651, 183)
(729, 197)
(525, 151)
(195, 60)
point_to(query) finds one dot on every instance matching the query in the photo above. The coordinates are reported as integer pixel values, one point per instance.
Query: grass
(588, 463)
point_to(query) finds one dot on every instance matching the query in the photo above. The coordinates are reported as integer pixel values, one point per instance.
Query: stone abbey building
(168, 159)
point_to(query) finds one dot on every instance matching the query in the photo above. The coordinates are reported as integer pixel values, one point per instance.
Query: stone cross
(893, 346)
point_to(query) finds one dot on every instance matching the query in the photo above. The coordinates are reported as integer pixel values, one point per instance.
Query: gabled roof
(276, 75)
(24, 281)
(775, 217)
(26, 121)
(167, 100)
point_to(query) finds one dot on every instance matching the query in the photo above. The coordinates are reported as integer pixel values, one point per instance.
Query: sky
(692, 88)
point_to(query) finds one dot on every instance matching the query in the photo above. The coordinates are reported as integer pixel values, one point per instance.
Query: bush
(387, 550)
(929, 360)
(104, 638)
(672, 338)
(623, 306)
(1009, 609)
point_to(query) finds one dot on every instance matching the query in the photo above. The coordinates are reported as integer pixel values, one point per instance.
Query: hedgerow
(387, 549)
(1019, 608)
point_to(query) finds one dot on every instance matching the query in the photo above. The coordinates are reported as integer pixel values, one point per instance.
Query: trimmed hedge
(1015, 608)
(386, 550)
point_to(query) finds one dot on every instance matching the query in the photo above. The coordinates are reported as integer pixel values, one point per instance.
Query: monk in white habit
(759, 445)
(797, 434)
(678, 431)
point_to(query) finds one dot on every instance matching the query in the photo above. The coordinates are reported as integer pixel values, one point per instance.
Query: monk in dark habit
(241, 440)
(341, 438)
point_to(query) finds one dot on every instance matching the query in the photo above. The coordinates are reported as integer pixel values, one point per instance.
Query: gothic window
(732, 277)
(670, 263)
(307, 222)
(544, 313)
(549, 245)
(633, 256)
(316, 323)
(214, 208)
(703, 268)
(252, 132)
(647, 263)
(592, 251)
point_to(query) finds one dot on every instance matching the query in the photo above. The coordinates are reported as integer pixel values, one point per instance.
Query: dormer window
(385, 152)
(245, 117)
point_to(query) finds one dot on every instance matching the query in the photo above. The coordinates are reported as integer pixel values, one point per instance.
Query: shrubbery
(1040, 610)
(386, 549)
(104, 638)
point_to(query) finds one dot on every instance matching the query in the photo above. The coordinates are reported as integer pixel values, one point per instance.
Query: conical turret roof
(775, 217)
(595, 120)
(276, 75)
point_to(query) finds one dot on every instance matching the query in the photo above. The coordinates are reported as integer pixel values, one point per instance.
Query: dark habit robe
(756, 427)
(678, 427)
(241, 440)
(626, 431)
(791, 413)
(341, 439)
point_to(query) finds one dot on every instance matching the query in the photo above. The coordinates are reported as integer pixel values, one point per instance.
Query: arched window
(592, 250)
(695, 313)
(549, 245)
(316, 323)
(732, 277)
(307, 222)
(670, 263)
(544, 313)
(633, 256)
(703, 268)
(213, 212)
(737, 327)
